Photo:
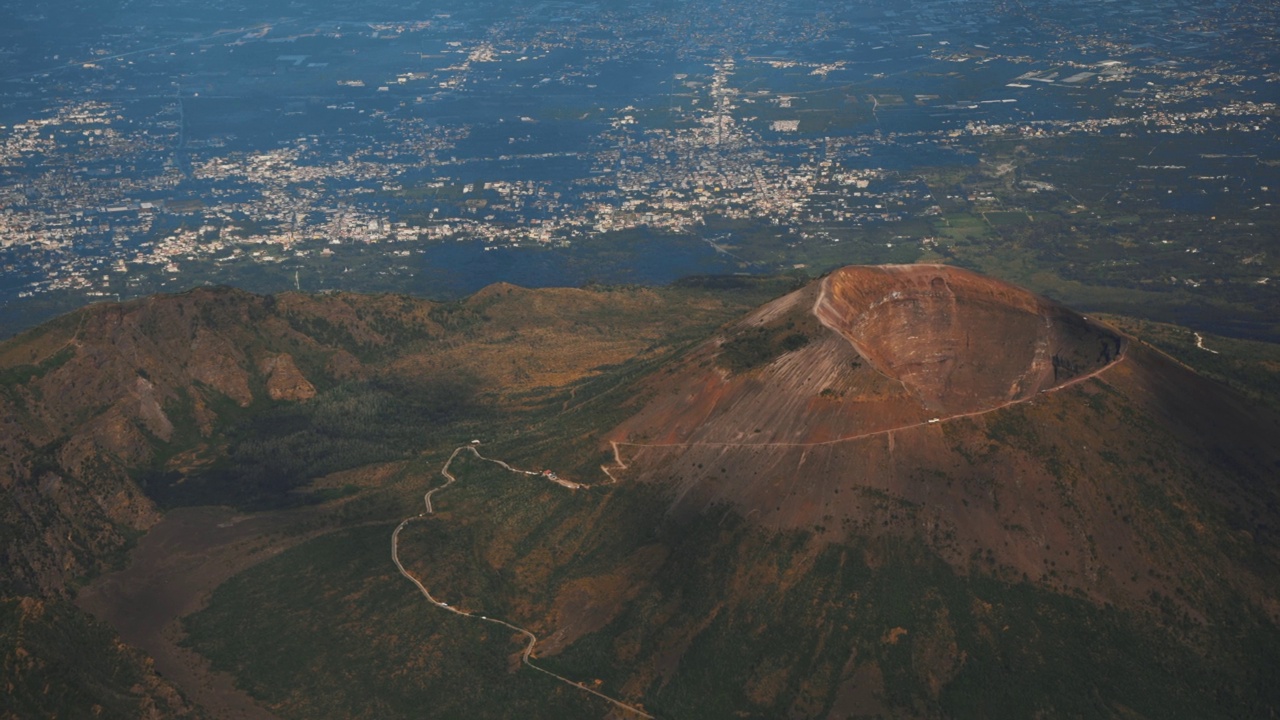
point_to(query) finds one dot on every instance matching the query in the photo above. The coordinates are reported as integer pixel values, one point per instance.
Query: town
(269, 153)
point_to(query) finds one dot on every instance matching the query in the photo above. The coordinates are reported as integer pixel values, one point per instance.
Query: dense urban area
(434, 150)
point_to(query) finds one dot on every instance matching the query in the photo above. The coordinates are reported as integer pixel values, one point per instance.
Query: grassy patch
(330, 630)
(272, 451)
(23, 374)
(752, 347)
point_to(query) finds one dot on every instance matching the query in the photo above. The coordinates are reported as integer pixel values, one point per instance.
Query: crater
(957, 340)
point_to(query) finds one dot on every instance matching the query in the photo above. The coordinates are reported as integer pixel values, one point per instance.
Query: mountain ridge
(790, 532)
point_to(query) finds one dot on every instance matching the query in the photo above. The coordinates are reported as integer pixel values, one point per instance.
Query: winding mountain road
(531, 639)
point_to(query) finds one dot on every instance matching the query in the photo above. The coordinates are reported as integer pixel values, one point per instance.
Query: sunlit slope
(964, 501)
(1007, 432)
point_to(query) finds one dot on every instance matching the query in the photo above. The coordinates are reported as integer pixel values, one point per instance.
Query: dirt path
(859, 436)
(1200, 344)
(531, 639)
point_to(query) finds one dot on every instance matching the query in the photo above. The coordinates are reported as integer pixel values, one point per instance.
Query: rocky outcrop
(220, 364)
(284, 380)
(90, 400)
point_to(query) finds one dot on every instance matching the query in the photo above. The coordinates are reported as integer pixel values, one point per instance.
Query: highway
(530, 638)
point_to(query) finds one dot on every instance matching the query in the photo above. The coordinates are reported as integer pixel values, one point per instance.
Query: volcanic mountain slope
(93, 397)
(905, 491)
(1010, 433)
(871, 349)
(164, 389)
(113, 413)
(1085, 531)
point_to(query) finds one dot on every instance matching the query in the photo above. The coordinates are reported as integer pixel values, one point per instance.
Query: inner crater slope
(958, 341)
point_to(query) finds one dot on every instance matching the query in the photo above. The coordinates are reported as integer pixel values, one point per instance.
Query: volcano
(870, 349)
(898, 491)
(1000, 427)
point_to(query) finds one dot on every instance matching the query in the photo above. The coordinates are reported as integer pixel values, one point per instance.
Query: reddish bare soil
(959, 341)
(1015, 436)
(891, 346)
